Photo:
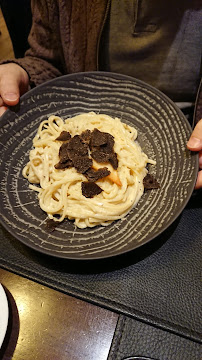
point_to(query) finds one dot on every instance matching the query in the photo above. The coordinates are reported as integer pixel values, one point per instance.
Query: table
(146, 302)
(47, 324)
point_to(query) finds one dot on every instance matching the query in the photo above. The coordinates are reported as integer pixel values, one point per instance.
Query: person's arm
(195, 144)
(44, 60)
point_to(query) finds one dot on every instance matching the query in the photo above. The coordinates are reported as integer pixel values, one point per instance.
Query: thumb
(9, 89)
(195, 141)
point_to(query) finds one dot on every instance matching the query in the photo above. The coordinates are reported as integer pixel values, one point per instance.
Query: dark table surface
(47, 324)
(146, 302)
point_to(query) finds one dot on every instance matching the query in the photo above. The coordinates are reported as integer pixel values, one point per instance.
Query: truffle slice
(99, 138)
(64, 165)
(150, 182)
(64, 136)
(113, 160)
(90, 189)
(82, 163)
(86, 136)
(63, 153)
(76, 147)
(102, 150)
(100, 156)
(94, 175)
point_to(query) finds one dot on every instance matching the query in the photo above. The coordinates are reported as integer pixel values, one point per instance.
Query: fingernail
(194, 142)
(10, 96)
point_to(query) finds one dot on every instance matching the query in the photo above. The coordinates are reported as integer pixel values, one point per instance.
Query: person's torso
(158, 42)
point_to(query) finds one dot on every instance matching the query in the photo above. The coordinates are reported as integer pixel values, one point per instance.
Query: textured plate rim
(177, 213)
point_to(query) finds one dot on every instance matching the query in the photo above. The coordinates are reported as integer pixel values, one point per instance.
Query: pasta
(59, 190)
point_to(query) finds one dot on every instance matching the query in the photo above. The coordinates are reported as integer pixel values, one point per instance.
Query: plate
(3, 314)
(163, 132)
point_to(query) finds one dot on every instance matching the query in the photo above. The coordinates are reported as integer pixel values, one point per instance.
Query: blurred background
(15, 24)
(6, 47)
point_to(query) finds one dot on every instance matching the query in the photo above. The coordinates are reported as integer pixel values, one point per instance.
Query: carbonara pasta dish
(87, 168)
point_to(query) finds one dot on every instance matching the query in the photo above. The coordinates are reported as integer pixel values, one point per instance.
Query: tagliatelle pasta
(59, 190)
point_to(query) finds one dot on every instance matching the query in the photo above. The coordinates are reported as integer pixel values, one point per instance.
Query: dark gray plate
(163, 132)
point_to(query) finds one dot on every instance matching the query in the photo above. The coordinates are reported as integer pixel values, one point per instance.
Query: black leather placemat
(159, 283)
(136, 339)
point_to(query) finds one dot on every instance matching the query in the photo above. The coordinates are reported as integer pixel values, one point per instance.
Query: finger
(195, 141)
(199, 181)
(2, 110)
(9, 89)
(1, 101)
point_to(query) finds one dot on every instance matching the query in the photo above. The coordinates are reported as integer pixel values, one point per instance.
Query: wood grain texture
(52, 325)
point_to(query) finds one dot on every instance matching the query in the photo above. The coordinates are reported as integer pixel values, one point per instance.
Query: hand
(14, 82)
(195, 144)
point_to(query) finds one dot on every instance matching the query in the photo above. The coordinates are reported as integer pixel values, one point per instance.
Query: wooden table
(47, 324)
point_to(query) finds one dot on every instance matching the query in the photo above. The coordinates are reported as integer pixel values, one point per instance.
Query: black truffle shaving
(64, 165)
(64, 136)
(98, 138)
(106, 148)
(100, 156)
(113, 160)
(75, 152)
(86, 136)
(90, 189)
(82, 163)
(94, 175)
(63, 153)
(101, 145)
(76, 147)
(150, 182)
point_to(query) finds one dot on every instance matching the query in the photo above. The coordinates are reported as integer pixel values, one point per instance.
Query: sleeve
(44, 59)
